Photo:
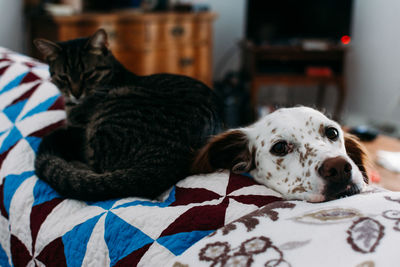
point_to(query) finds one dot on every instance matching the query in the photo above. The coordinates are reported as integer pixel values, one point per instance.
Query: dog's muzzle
(337, 172)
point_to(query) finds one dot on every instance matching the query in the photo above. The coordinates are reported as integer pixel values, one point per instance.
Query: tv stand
(294, 65)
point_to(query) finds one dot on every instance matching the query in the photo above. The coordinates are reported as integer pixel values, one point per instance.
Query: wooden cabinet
(145, 43)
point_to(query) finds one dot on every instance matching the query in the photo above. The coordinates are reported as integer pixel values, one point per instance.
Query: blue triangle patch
(13, 111)
(11, 184)
(13, 137)
(75, 241)
(42, 192)
(180, 242)
(3, 258)
(107, 204)
(45, 105)
(34, 142)
(122, 238)
(14, 83)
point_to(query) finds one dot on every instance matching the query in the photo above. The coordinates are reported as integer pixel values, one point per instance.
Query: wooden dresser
(145, 43)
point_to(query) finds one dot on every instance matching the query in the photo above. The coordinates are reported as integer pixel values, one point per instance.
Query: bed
(220, 219)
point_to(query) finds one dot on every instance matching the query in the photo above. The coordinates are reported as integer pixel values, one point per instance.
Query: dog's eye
(331, 133)
(280, 149)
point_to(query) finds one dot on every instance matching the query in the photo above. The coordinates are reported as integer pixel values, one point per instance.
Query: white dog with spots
(298, 152)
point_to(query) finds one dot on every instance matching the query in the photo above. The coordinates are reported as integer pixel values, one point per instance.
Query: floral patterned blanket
(359, 231)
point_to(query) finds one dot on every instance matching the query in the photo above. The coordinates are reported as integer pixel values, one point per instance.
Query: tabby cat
(126, 135)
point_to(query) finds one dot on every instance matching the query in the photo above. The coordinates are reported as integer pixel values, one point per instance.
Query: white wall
(229, 29)
(373, 63)
(11, 17)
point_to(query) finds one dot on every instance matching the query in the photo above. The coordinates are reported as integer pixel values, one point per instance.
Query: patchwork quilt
(220, 219)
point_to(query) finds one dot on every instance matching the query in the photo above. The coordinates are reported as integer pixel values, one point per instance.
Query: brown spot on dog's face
(262, 143)
(310, 162)
(299, 189)
(273, 130)
(279, 161)
(308, 173)
(321, 129)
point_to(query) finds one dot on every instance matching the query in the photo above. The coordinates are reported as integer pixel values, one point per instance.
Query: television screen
(284, 21)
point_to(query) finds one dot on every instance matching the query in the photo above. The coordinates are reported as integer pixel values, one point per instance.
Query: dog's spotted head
(298, 152)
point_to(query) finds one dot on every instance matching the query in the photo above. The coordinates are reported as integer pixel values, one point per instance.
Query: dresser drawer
(154, 34)
(146, 43)
(190, 60)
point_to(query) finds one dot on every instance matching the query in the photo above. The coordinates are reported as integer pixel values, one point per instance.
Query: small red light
(345, 39)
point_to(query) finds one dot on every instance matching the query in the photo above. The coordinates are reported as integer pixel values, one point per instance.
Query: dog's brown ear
(229, 150)
(357, 153)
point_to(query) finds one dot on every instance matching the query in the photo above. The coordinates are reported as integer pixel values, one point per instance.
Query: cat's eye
(331, 133)
(280, 148)
(89, 75)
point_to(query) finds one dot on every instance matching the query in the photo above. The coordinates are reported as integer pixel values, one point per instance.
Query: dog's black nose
(336, 170)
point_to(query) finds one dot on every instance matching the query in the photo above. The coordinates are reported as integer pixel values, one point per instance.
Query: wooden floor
(389, 180)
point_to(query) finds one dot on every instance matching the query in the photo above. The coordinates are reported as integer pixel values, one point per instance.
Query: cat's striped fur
(126, 135)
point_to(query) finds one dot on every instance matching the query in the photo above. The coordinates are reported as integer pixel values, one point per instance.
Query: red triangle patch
(201, 218)
(257, 200)
(186, 196)
(20, 254)
(237, 181)
(30, 77)
(42, 132)
(3, 211)
(39, 214)
(30, 64)
(53, 254)
(133, 258)
(26, 94)
(58, 105)
(2, 70)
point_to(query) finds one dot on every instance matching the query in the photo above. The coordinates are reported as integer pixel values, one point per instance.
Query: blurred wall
(229, 29)
(373, 62)
(11, 33)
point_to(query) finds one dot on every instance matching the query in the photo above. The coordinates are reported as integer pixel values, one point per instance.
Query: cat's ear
(49, 50)
(98, 42)
(229, 150)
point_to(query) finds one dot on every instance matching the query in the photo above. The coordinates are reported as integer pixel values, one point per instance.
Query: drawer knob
(185, 62)
(177, 31)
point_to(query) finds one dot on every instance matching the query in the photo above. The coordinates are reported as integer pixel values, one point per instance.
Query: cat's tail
(76, 180)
